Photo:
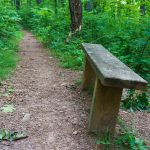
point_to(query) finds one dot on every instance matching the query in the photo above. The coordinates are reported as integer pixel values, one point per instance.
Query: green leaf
(19, 135)
(10, 90)
(11, 136)
(2, 134)
(8, 108)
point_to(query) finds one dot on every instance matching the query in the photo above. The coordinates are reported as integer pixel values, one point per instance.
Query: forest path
(49, 107)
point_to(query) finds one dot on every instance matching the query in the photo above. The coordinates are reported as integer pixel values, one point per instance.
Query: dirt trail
(48, 107)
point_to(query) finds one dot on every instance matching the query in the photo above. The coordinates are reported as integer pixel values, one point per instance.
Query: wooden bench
(108, 76)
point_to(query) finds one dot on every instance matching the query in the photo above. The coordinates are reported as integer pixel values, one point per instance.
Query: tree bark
(76, 15)
(29, 2)
(89, 5)
(38, 2)
(56, 6)
(143, 9)
(18, 3)
(12, 2)
(62, 3)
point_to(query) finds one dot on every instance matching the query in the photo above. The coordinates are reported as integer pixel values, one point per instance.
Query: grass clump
(124, 140)
(127, 37)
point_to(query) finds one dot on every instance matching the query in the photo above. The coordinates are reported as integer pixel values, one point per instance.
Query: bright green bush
(9, 38)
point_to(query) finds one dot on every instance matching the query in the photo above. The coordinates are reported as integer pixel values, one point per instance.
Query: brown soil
(139, 123)
(49, 107)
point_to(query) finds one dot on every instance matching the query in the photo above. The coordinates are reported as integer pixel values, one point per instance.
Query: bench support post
(88, 76)
(104, 109)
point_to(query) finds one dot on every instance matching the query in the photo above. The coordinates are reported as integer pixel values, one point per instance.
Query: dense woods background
(122, 26)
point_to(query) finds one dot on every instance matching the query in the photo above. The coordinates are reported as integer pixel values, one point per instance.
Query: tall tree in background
(62, 3)
(76, 15)
(38, 2)
(29, 2)
(143, 7)
(12, 2)
(18, 3)
(56, 6)
(89, 5)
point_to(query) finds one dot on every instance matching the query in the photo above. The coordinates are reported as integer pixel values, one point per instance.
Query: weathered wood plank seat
(109, 76)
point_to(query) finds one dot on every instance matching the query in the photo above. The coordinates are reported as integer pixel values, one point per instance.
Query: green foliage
(10, 90)
(9, 108)
(128, 140)
(9, 38)
(125, 35)
(11, 136)
(104, 140)
(124, 140)
(136, 101)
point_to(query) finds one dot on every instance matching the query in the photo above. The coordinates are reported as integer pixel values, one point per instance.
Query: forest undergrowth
(126, 35)
(10, 35)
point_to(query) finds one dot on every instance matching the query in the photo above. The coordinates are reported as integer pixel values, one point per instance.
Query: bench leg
(104, 109)
(88, 76)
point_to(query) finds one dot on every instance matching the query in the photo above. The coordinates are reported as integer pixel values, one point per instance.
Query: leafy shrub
(9, 35)
(126, 139)
(136, 101)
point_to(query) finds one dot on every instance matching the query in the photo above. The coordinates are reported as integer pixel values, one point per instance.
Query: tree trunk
(143, 9)
(62, 3)
(12, 2)
(76, 15)
(38, 2)
(29, 2)
(89, 5)
(56, 6)
(18, 4)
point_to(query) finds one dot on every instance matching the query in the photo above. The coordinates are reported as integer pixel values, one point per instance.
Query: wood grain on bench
(110, 70)
(108, 75)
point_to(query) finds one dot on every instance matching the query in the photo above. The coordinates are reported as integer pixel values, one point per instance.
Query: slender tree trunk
(76, 15)
(62, 3)
(18, 3)
(38, 2)
(89, 5)
(29, 2)
(143, 8)
(56, 6)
